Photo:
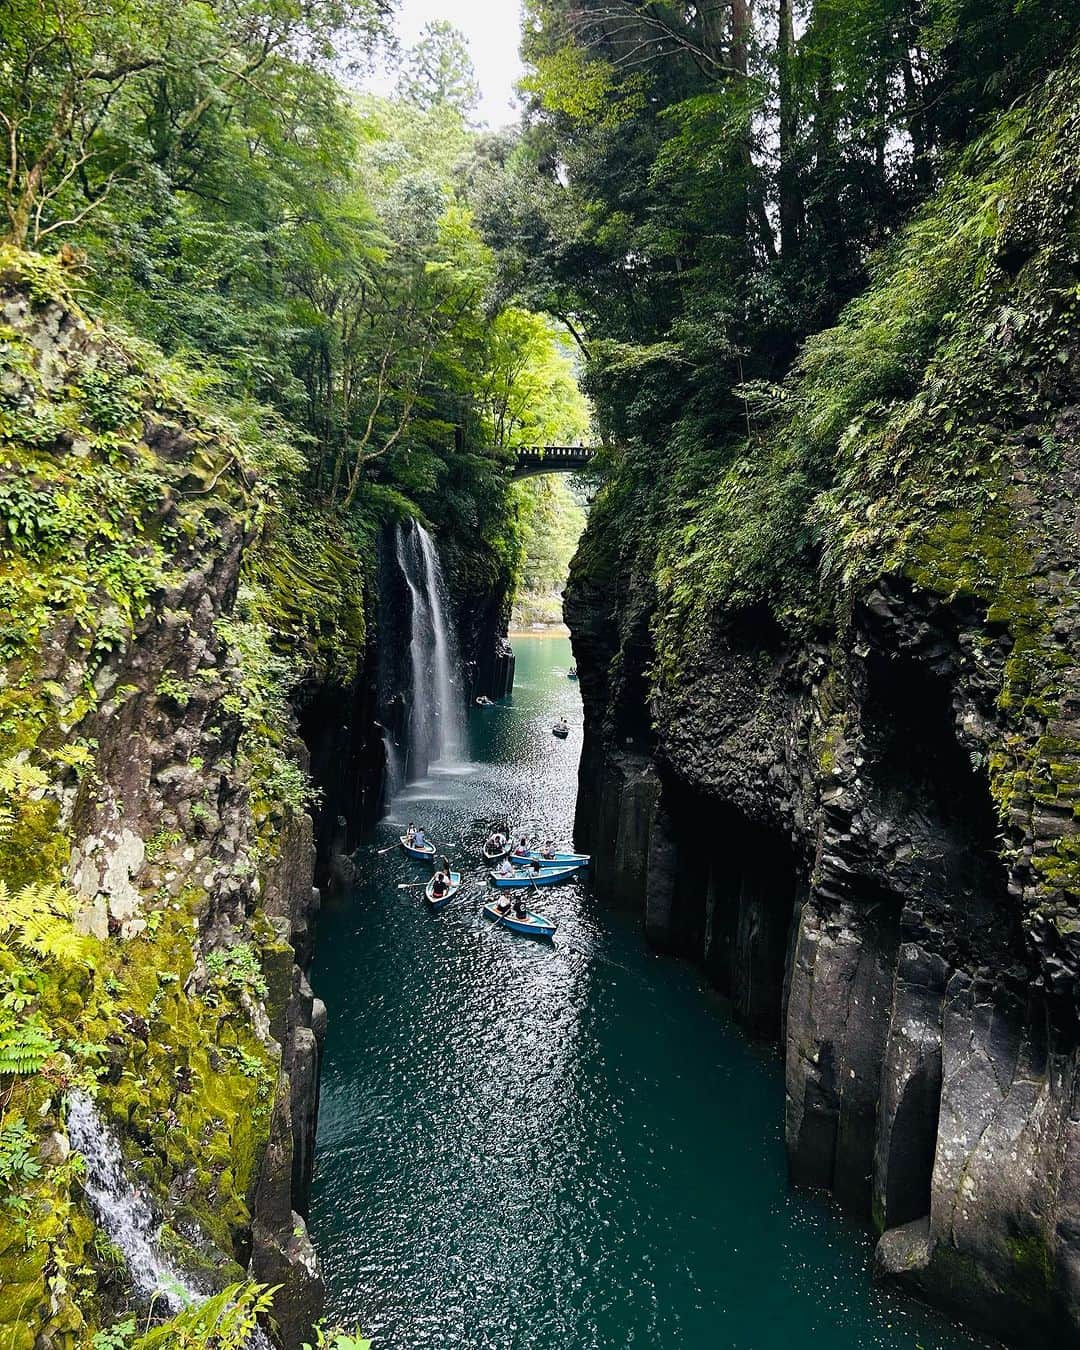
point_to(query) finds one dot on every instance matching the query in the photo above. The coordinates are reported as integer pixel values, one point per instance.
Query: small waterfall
(395, 770)
(436, 728)
(125, 1215)
(122, 1210)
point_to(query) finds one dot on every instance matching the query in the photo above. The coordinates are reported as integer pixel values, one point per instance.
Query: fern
(224, 1322)
(38, 921)
(24, 1047)
(19, 1164)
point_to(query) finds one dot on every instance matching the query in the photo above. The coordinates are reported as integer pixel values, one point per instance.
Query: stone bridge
(534, 459)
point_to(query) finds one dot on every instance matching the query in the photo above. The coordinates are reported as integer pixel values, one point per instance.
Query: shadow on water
(565, 1144)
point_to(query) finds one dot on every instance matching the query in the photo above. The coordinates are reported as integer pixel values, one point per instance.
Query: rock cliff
(832, 745)
(158, 609)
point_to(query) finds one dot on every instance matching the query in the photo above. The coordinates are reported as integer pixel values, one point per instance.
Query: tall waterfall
(437, 705)
(126, 1217)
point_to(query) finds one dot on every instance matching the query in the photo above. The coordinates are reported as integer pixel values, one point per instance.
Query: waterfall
(121, 1210)
(446, 668)
(126, 1217)
(436, 730)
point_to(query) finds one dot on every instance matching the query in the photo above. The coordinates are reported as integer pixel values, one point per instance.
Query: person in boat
(419, 840)
(534, 868)
(519, 906)
(440, 884)
(503, 905)
(496, 843)
(444, 864)
(410, 834)
(522, 850)
(548, 850)
(505, 868)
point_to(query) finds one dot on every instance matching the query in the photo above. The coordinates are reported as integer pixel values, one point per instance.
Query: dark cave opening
(737, 887)
(932, 804)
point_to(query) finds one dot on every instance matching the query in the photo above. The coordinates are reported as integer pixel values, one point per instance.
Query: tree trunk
(740, 36)
(788, 185)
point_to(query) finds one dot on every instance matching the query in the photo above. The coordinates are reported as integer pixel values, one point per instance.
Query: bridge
(534, 459)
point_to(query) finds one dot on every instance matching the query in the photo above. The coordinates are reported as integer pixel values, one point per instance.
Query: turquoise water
(538, 1145)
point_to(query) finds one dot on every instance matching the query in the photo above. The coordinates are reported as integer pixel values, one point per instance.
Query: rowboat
(556, 859)
(571, 674)
(440, 902)
(524, 876)
(494, 857)
(561, 730)
(424, 854)
(532, 925)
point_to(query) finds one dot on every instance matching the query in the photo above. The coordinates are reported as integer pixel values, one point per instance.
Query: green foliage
(224, 1322)
(553, 520)
(117, 1337)
(25, 1045)
(18, 1162)
(236, 970)
(38, 921)
(327, 1338)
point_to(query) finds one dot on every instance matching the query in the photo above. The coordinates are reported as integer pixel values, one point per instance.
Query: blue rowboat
(532, 925)
(524, 876)
(424, 854)
(556, 859)
(436, 903)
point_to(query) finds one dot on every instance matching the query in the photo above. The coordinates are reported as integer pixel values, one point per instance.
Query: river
(560, 1146)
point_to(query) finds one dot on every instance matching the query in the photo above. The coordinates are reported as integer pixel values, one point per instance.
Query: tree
(96, 93)
(438, 71)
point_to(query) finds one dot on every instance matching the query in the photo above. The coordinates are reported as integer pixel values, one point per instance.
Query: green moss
(87, 541)
(1033, 1264)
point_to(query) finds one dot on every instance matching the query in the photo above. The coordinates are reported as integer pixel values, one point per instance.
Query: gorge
(796, 290)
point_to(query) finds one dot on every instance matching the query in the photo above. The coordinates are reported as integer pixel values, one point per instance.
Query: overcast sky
(492, 28)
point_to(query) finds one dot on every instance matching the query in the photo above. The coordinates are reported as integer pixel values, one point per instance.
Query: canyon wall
(156, 614)
(856, 805)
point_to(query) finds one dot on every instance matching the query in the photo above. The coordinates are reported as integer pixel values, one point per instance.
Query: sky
(493, 30)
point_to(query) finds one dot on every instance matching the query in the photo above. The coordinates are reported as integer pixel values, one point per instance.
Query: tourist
(418, 839)
(505, 868)
(497, 843)
(410, 834)
(440, 884)
(520, 912)
(548, 851)
(522, 850)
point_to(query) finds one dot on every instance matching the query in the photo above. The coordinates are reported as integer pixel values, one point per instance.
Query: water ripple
(557, 1146)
